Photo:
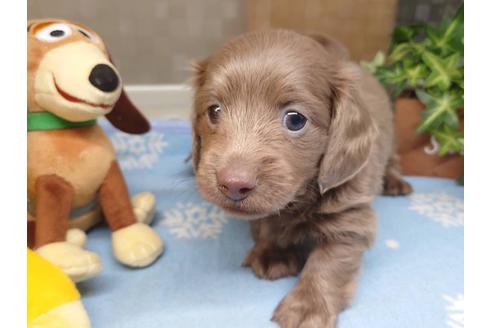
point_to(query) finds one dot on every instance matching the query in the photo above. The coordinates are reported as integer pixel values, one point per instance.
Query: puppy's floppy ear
(199, 72)
(351, 132)
(332, 46)
(125, 116)
(195, 149)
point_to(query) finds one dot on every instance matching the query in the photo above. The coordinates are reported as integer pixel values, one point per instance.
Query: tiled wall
(152, 41)
(411, 11)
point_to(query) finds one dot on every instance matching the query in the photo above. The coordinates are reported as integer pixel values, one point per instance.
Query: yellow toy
(53, 301)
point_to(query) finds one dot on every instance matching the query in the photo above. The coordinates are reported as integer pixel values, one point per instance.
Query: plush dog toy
(71, 162)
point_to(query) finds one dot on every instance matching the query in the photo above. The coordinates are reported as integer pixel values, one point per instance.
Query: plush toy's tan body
(80, 156)
(71, 161)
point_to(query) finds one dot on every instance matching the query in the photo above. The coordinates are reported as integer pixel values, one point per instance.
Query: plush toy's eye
(54, 33)
(214, 113)
(294, 121)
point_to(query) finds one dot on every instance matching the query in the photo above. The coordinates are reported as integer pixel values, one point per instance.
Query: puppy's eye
(54, 32)
(294, 121)
(214, 113)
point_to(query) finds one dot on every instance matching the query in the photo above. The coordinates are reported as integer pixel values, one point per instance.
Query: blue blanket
(412, 276)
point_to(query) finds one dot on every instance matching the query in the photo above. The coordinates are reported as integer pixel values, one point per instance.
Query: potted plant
(426, 62)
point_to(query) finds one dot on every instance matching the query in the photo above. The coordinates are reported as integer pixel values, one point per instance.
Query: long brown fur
(313, 194)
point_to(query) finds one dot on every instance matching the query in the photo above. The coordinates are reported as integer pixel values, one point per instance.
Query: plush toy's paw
(76, 237)
(77, 263)
(144, 207)
(137, 245)
(68, 315)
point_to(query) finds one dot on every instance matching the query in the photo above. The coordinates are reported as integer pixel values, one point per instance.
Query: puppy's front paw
(302, 309)
(77, 263)
(137, 245)
(270, 262)
(144, 207)
(396, 186)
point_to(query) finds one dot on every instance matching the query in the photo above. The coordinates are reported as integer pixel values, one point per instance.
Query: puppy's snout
(236, 183)
(104, 78)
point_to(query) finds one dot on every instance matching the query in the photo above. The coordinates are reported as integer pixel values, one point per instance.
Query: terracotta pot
(418, 153)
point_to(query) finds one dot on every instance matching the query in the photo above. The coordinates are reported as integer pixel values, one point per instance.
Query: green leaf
(429, 59)
(444, 33)
(448, 37)
(400, 51)
(425, 97)
(379, 59)
(459, 81)
(416, 74)
(440, 109)
(406, 33)
(393, 74)
(443, 71)
(376, 62)
(460, 13)
(450, 141)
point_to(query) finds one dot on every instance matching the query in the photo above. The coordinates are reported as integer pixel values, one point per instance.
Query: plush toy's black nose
(104, 78)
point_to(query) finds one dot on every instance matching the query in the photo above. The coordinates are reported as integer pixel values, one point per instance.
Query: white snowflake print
(138, 151)
(393, 244)
(194, 220)
(440, 207)
(455, 311)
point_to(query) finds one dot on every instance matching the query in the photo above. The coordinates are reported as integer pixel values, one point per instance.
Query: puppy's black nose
(104, 78)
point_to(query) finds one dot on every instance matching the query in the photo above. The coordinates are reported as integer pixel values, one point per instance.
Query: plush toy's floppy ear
(125, 116)
(351, 132)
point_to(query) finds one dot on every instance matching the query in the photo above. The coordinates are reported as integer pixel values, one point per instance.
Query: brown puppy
(288, 131)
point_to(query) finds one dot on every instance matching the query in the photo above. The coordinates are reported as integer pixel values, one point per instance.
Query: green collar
(37, 121)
